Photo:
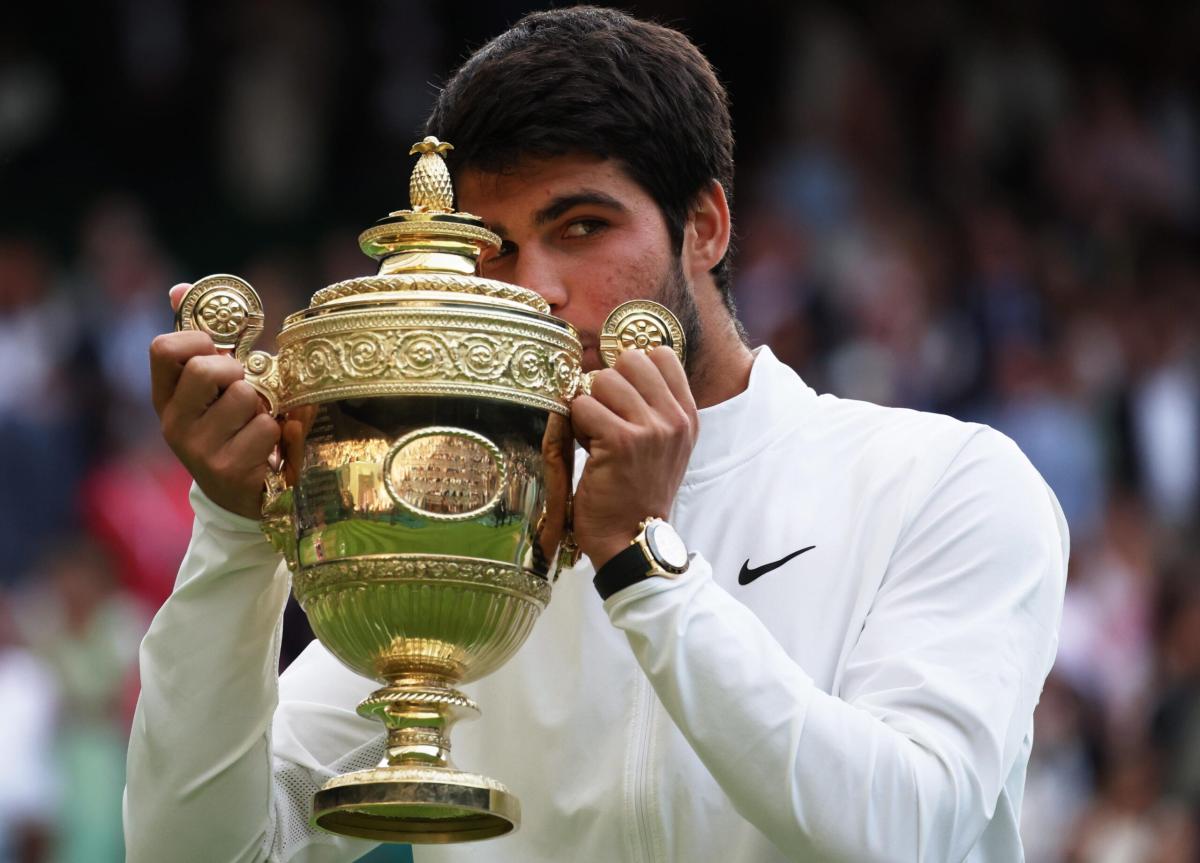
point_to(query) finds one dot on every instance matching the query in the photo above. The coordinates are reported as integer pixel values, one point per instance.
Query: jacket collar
(735, 430)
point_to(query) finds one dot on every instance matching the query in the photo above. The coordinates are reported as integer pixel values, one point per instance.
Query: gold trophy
(423, 496)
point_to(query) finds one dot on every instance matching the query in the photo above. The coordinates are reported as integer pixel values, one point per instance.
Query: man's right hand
(213, 420)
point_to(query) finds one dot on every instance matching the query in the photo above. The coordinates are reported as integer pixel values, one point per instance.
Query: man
(846, 669)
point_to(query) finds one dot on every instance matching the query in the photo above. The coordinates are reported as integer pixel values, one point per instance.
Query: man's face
(581, 233)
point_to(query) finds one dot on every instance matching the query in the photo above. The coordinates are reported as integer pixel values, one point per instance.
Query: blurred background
(990, 211)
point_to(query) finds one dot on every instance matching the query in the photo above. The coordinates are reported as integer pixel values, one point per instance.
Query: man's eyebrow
(563, 203)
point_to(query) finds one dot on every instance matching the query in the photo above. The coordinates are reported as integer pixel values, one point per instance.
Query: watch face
(666, 546)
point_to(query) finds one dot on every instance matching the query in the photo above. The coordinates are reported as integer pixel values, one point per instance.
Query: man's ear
(706, 233)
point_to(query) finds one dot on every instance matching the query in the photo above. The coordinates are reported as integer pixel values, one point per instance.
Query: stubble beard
(675, 293)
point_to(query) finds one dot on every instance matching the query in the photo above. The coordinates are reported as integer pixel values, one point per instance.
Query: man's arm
(216, 771)
(909, 759)
(199, 779)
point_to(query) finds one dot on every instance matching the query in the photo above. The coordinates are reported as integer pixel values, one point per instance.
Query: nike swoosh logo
(748, 574)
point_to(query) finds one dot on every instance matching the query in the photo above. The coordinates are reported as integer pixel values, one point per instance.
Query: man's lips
(591, 357)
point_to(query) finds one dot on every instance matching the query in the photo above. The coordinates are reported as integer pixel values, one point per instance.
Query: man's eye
(506, 249)
(583, 227)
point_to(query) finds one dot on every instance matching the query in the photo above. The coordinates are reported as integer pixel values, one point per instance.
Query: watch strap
(625, 568)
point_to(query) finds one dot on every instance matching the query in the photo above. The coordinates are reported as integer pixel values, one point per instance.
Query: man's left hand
(639, 426)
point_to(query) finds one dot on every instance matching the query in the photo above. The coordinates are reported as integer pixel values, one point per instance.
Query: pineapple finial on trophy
(430, 237)
(429, 189)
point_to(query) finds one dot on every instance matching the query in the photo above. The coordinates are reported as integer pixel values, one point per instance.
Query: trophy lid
(430, 247)
(425, 325)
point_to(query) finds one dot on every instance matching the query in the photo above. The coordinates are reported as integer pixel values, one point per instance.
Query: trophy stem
(418, 712)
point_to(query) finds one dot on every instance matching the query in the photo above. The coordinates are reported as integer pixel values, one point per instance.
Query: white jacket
(869, 699)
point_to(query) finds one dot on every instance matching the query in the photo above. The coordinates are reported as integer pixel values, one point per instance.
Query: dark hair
(597, 81)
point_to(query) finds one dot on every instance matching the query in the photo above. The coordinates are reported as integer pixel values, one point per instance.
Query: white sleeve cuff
(213, 516)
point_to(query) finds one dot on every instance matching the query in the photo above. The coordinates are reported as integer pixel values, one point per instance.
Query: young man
(848, 666)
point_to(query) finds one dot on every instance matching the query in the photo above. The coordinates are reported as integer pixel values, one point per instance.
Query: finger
(229, 414)
(573, 427)
(615, 392)
(250, 449)
(592, 420)
(176, 294)
(294, 428)
(201, 383)
(674, 376)
(169, 353)
(637, 368)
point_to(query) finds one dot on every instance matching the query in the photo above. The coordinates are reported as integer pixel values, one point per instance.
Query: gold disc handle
(640, 325)
(636, 325)
(231, 313)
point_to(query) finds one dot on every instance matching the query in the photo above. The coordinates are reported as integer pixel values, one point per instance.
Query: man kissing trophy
(422, 495)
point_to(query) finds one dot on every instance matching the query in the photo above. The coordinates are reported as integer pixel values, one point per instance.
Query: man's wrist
(602, 552)
(656, 550)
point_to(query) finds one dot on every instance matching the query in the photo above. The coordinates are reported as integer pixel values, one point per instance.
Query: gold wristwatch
(657, 550)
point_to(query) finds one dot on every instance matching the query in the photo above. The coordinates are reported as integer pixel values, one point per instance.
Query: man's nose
(533, 271)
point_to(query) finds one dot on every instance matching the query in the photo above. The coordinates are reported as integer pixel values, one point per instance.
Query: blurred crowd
(989, 215)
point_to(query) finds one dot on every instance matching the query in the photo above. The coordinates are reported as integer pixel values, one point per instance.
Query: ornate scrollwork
(319, 361)
(483, 357)
(427, 352)
(565, 371)
(530, 366)
(366, 354)
(424, 355)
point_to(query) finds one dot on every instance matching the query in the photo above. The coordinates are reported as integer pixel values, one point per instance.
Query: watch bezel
(654, 534)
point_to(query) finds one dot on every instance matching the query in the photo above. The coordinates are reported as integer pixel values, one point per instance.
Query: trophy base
(423, 805)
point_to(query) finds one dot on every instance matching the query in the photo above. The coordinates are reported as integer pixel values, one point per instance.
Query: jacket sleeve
(203, 783)
(909, 758)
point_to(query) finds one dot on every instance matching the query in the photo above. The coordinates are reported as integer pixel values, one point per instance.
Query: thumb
(177, 293)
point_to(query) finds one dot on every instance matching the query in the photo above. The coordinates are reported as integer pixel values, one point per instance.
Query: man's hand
(639, 426)
(212, 419)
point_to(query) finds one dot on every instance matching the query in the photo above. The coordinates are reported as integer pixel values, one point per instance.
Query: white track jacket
(868, 699)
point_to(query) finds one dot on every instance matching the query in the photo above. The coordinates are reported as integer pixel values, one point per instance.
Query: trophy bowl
(422, 500)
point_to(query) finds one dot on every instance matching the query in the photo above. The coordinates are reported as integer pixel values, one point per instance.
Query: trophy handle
(229, 310)
(231, 313)
(641, 325)
(636, 325)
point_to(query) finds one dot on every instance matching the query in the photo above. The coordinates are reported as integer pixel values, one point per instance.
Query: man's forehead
(538, 170)
(525, 164)
(525, 190)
